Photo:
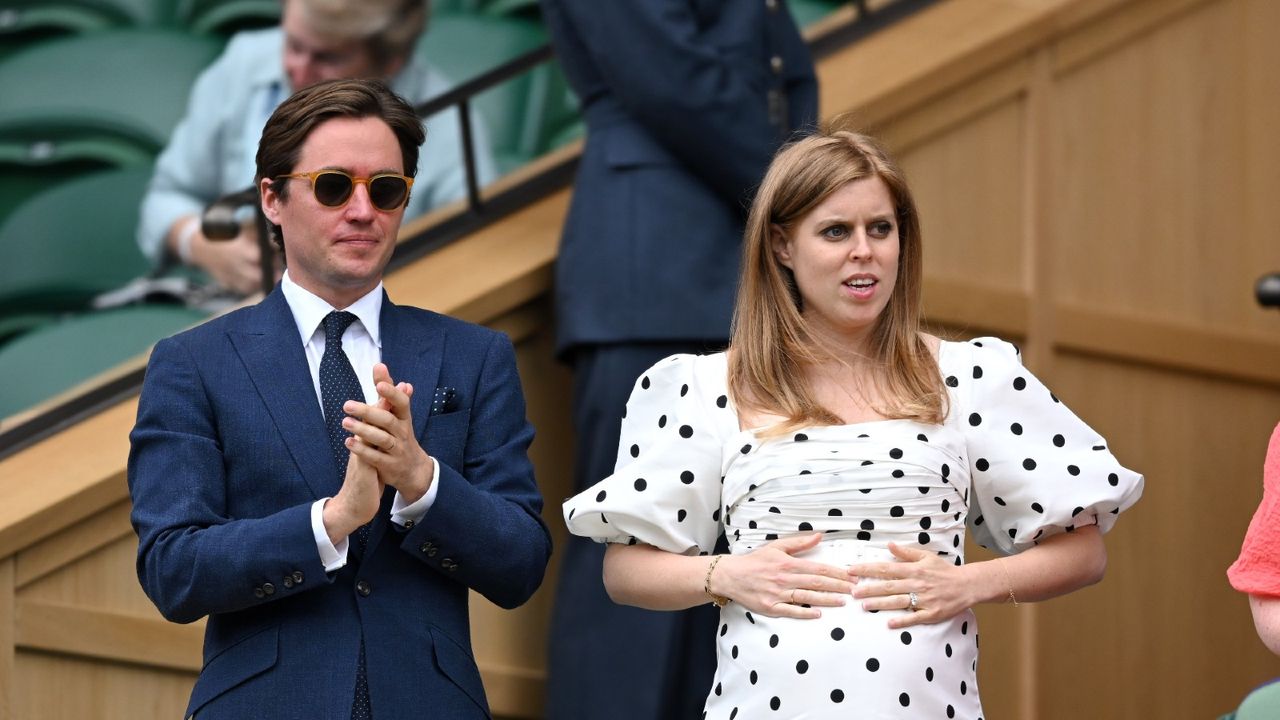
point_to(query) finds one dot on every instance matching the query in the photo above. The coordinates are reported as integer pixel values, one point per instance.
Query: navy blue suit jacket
(228, 454)
(686, 102)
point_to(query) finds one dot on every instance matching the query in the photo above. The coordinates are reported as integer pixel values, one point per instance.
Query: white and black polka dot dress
(1011, 461)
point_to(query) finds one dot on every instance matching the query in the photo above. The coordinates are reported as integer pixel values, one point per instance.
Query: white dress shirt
(362, 342)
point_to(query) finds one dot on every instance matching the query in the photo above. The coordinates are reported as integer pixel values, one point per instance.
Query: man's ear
(271, 200)
(781, 246)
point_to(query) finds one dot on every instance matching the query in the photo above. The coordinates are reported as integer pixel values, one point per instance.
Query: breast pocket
(445, 437)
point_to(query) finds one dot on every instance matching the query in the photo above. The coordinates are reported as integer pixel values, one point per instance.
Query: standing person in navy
(685, 102)
(325, 475)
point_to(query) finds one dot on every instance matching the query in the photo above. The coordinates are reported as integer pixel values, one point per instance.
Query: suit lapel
(274, 357)
(412, 349)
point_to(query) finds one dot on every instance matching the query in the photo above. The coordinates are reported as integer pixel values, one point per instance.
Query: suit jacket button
(268, 588)
(297, 577)
(775, 64)
(427, 547)
(259, 593)
(288, 581)
(449, 564)
(408, 524)
(363, 588)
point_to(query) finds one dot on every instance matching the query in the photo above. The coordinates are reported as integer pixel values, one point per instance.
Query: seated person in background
(212, 150)
(1257, 570)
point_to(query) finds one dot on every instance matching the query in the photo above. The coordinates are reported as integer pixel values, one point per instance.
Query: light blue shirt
(362, 343)
(212, 151)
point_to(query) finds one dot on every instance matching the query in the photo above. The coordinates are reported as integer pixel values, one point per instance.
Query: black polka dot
(686, 431)
(1016, 428)
(733, 714)
(898, 474)
(873, 664)
(1113, 479)
(952, 381)
(1059, 441)
(733, 652)
(1037, 507)
(982, 464)
(896, 453)
(946, 505)
(771, 536)
(662, 421)
(752, 620)
(751, 524)
(755, 678)
(922, 438)
(928, 674)
(773, 641)
(686, 477)
(837, 634)
(951, 711)
(644, 382)
(1077, 511)
(802, 667)
(1028, 464)
(806, 472)
(864, 535)
(947, 649)
(834, 512)
(775, 703)
(746, 449)
(641, 484)
(946, 471)
(904, 700)
(600, 496)
(635, 451)
(837, 695)
(1054, 398)
(925, 522)
(1019, 383)
(801, 437)
(896, 511)
(681, 515)
(923, 538)
(804, 527)
(684, 390)
(775, 510)
(868, 525)
(975, 419)
(999, 501)
(905, 637)
(977, 372)
(964, 687)
(1072, 470)
(1013, 533)
(722, 401)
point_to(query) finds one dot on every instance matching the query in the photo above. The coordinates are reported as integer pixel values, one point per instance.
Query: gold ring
(793, 595)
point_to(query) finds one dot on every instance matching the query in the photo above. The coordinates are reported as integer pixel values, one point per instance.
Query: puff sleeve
(1257, 570)
(1036, 468)
(665, 489)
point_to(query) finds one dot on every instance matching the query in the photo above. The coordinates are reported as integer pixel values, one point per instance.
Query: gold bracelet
(1009, 582)
(717, 600)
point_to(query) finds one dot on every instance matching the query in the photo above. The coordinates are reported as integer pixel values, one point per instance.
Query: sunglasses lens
(387, 192)
(332, 188)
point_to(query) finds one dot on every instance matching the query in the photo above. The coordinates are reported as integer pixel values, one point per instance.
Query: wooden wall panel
(1164, 635)
(971, 235)
(53, 687)
(1157, 135)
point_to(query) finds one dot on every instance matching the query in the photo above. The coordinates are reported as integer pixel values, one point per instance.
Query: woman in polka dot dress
(844, 454)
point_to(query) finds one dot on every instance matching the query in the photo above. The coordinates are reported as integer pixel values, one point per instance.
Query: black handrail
(477, 215)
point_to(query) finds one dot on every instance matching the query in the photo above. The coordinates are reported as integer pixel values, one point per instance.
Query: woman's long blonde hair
(772, 343)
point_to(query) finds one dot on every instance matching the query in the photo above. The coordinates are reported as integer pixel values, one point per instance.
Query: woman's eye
(881, 228)
(835, 232)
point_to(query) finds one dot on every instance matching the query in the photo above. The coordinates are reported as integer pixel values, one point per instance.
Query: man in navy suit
(686, 102)
(324, 475)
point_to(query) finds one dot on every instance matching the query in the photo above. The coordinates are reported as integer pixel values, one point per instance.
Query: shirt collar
(310, 310)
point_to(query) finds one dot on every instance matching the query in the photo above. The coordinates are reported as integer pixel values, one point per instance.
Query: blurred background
(1097, 180)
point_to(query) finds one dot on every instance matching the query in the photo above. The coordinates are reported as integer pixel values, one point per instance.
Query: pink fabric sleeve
(1257, 570)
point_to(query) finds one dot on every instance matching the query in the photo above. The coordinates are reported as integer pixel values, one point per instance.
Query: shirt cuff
(333, 557)
(407, 515)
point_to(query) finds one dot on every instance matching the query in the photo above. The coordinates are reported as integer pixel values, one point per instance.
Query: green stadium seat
(226, 17)
(57, 357)
(523, 112)
(21, 17)
(807, 12)
(69, 244)
(83, 102)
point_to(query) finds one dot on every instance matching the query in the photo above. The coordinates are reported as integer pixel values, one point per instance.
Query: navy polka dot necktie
(338, 384)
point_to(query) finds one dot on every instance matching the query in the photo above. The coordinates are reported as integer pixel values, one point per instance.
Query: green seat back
(464, 46)
(112, 94)
(226, 17)
(57, 357)
(807, 12)
(71, 242)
